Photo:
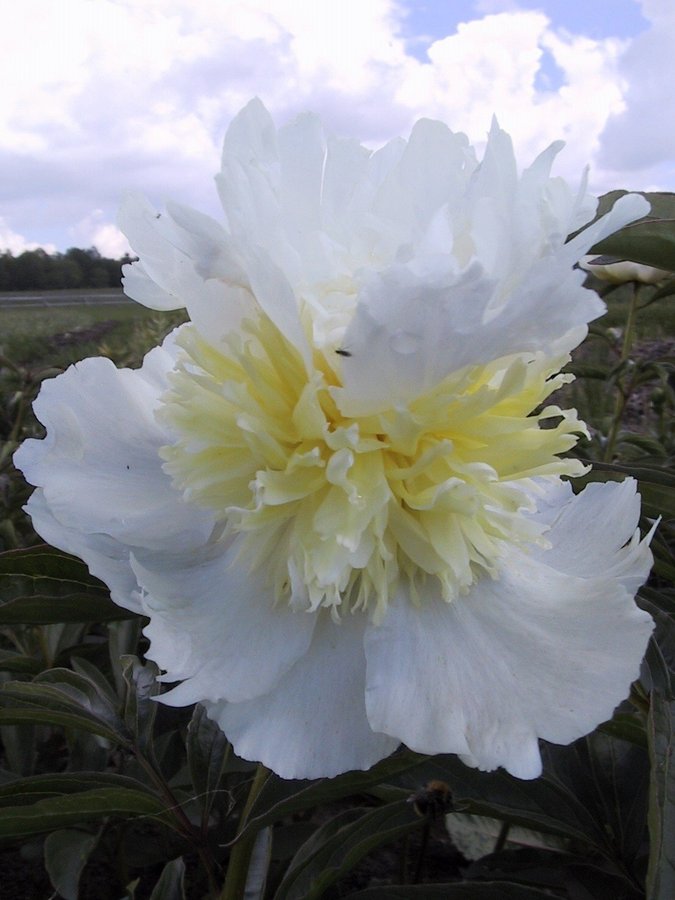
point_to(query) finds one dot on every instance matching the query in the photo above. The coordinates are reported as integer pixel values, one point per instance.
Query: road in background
(35, 299)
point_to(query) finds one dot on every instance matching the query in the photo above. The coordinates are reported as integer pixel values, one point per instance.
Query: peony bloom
(337, 492)
(620, 271)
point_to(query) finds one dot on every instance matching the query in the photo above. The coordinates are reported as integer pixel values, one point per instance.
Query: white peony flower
(337, 493)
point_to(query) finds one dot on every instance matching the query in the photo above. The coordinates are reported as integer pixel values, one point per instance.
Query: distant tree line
(35, 270)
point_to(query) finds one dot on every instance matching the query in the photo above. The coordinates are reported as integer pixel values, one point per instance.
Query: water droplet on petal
(404, 342)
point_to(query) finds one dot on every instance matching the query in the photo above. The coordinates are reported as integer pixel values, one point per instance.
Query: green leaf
(46, 561)
(280, 797)
(627, 727)
(87, 670)
(16, 662)
(207, 755)
(66, 854)
(66, 810)
(467, 890)
(139, 709)
(661, 732)
(171, 884)
(336, 847)
(61, 697)
(656, 475)
(650, 240)
(43, 608)
(667, 289)
(43, 586)
(18, 791)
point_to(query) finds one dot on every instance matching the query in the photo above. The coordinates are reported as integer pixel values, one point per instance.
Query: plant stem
(240, 857)
(501, 837)
(623, 391)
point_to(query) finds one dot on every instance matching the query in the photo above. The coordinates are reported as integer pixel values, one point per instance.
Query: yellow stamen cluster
(339, 510)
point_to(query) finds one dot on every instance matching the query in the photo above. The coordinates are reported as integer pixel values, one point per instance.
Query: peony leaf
(42, 586)
(207, 755)
(467, 890)
(43, 608)
(46, 561)
(139, 709)
(667, 289)
(650, 240)
(66, 854)
(280, 797)
(336, 847)
(17, 791)
(61, 810)
(61, 697)
(627, 727)
(171, 884)
(16, 662)
(661, 733)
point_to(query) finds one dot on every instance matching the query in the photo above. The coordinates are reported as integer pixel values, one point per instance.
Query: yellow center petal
(337, 510)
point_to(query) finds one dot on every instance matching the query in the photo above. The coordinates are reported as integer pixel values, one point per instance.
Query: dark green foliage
(35, 270)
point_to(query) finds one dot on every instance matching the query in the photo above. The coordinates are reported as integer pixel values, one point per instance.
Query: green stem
(501, 837)
(629, 332)
(240, 857)
(183, 824)
(423, 849)
(624, 391)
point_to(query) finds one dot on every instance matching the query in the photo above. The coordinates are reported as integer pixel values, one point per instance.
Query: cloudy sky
(100, 97)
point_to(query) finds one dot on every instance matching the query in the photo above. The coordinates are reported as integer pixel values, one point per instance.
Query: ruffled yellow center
(339, 510)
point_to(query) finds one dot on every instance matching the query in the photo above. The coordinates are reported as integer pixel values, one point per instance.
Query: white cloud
(491, 65)
(640, 139)
(16, 243)
(94, 231)
(103, 96)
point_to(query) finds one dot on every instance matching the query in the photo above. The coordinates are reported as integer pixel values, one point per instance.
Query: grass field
(56, 336)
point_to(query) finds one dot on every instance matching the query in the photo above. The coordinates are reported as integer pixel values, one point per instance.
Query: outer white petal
(432, 170)
(140, 287)
(258, 183)
(106, 558)
(536, 653)
(213, 623)
(412, 328)
(98, 465)
(192, 262)
(410, 331)
(313, 724)
(248, 182)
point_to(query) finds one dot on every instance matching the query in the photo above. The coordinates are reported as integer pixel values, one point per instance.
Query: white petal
(140, 287)
(410, 331)
(99, 467)
(215, 624)
(105, 557)
(256, 179)
(249, 179)
(191, 261)
(535, 653)
(342, 192)
(313, 724)
(432, 171)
